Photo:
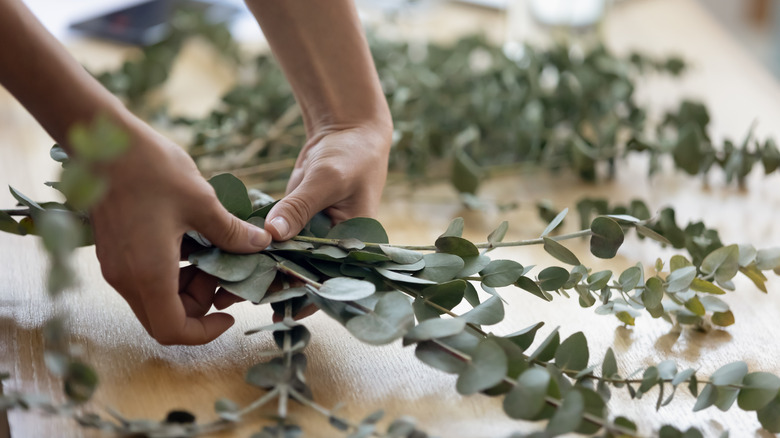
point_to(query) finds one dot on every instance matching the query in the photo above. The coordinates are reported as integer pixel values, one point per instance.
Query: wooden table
(145, 380)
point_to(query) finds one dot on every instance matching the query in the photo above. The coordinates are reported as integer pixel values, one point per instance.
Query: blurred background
(754, 23)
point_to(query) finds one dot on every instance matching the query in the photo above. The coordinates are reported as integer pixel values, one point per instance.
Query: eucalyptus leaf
(488, 367)
(435, 328)
(254, 287)
(758, 390)
(232, 194)
(497, 235)
(606, 237)
(490, 312)
(225, 266)
(402, 256)
(361, 228)
(438, 357)
(390, 320)
(456, 245)
(560, 252)
(441, 267)
(555, 222)
(572, 354)
(527, 398)
(346, 289)
(499, 273)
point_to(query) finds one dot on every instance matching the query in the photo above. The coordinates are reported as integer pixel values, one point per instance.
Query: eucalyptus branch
(483, 245)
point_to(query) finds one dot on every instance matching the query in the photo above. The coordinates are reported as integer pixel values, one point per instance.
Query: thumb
(229, 232)
(294, 211)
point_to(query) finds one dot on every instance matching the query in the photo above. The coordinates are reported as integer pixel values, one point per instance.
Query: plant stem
(259, 402)
(484, 245)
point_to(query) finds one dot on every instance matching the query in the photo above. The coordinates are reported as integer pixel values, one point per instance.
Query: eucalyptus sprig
(382, 292)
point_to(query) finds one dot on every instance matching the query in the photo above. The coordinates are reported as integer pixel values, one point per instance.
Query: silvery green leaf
(606, 237)
(441, 267)
(254, 287)
(473, 265)
(397, 276)
(488, 367)
(435, 328)
(527, 398)
(747, 254)
(346, 289)
(402, 256)
(390, 320)
(361, 228)
(411, 267)
(758, 390)
(499, 273)
(331, 251)
(730, 374)
(490, 312)
(455, 228)
(456, 245)
(680, 279)
(767, 259)
(232, 194)
(560, 252)
(555, 222)
(723, 263)
(568, 416)
(497, 235)
(572, 354)
(438, 357)
(225, 266)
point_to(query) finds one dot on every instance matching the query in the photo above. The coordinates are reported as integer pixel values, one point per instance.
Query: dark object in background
(147, 23)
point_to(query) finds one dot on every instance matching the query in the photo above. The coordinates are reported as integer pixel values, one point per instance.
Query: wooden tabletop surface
(145, 380)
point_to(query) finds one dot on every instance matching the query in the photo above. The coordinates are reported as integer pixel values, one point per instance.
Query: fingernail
(281, 226)
(259, 237)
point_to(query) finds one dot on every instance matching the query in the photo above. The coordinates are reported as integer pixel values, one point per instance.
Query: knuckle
(299, 210)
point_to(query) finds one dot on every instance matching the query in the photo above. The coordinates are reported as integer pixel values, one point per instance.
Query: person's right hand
(155, 195)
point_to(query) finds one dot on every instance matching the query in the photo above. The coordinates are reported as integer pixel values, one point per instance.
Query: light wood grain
(143, 379)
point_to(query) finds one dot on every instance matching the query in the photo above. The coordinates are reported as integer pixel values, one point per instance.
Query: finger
(227, 231)
(168, 320)
(224, 299)
(315, 193)
(196, 291)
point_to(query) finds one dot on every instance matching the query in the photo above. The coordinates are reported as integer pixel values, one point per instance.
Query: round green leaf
(606, 238)
(390, 319)
(488, 367)
(232, 194)
(361, 228)
(758, 389)
(435, 328)
(501, 273)
(225, 266)
(254, 287)
(572, 354)
(553, 278)
(441, 267)
(346, 289)
(527, 398)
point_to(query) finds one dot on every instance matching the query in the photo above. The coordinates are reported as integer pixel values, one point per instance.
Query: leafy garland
(382, 292)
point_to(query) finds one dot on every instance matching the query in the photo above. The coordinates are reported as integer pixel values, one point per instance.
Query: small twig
(488, 245)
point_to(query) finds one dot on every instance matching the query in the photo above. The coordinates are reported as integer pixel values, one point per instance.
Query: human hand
(155, 195)
(340, 171)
